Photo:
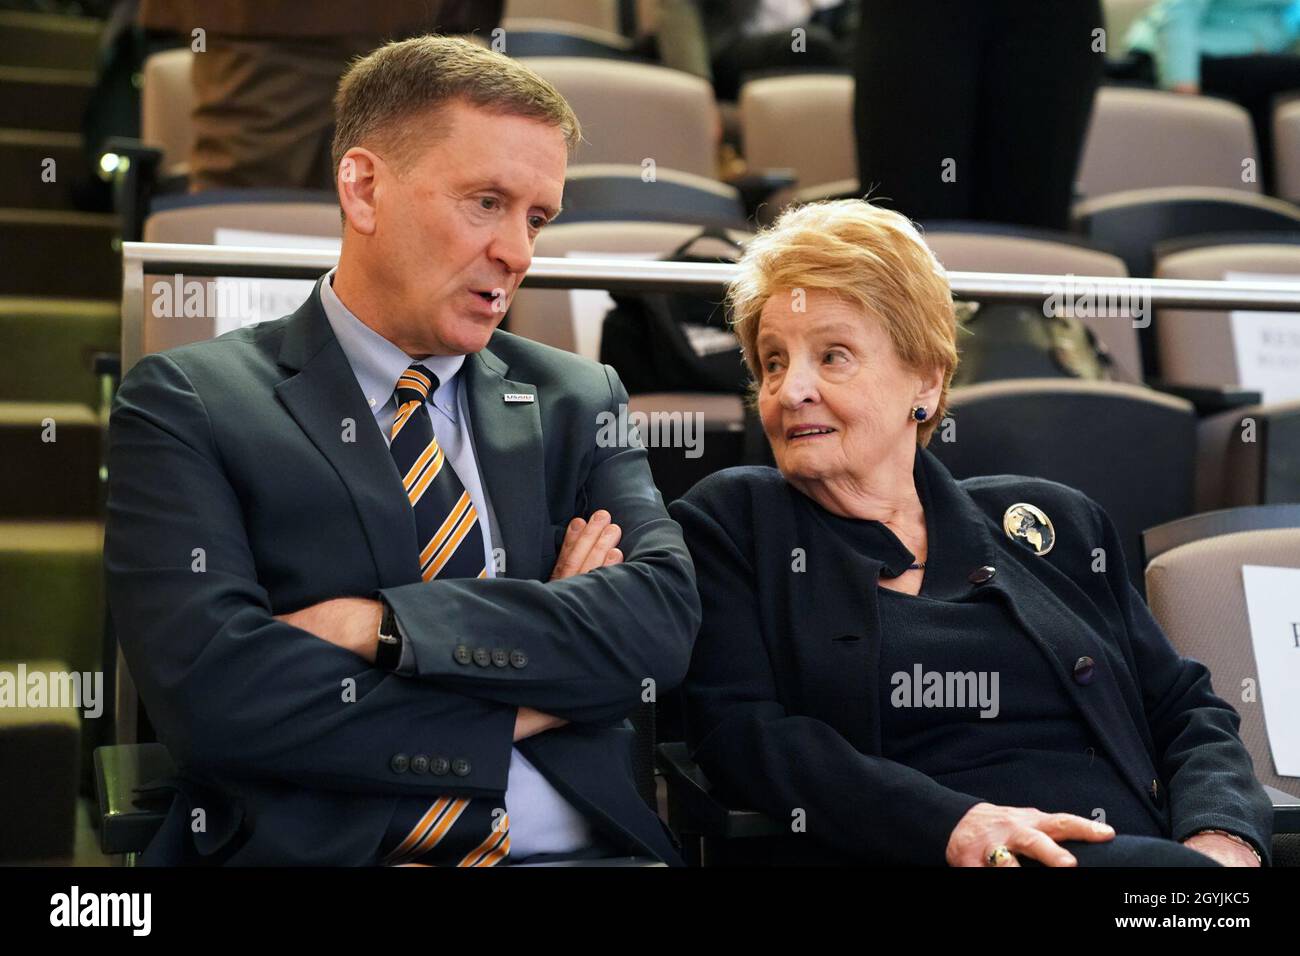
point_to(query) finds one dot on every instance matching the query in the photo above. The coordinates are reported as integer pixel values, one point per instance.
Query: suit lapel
(508, 447)
(323, 397)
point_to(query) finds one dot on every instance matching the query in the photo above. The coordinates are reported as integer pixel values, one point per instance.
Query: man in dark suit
(340, 557)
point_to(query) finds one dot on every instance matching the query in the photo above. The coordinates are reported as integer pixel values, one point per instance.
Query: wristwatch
(388, 655)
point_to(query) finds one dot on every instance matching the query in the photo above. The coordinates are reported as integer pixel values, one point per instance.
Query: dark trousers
(1001, 88)
(773, 51)
(1128, 851)
(1255, 82)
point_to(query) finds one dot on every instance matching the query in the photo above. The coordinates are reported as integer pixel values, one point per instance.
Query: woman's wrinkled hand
(1022, 830)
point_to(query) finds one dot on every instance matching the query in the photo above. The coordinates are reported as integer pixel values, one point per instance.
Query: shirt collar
(378, 363)
(958, 539)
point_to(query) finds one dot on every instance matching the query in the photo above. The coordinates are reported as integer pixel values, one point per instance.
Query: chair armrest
(129, 820)
(693, 809)
(1209, 399)
(1286, 810)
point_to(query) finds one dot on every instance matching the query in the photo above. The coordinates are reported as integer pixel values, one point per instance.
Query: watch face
(388, 638)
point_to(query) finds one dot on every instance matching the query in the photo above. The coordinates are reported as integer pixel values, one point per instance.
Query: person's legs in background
(915, 109)
(774, 51)
(1040, 75)
(264, 112)
(1255, 82)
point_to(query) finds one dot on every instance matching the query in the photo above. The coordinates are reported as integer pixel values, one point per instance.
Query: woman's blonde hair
(869, 256)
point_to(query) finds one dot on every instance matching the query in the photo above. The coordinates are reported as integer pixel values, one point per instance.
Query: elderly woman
(913, 669)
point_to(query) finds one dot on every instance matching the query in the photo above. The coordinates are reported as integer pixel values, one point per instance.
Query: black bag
(1002, 340)
(674, 341)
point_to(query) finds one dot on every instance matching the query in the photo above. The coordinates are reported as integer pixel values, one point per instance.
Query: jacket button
(399, 763)
(419, 764)
(982, 575)
(460, 767)
(1157, 795)
(518, 659)
(462, 654)
(438, 766)
(499, 657)
(481, 657)
(1084, 669)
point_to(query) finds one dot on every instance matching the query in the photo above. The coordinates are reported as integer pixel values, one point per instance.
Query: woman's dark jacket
(784, 689)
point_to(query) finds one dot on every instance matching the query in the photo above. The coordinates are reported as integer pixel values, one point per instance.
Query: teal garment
(1177, 33)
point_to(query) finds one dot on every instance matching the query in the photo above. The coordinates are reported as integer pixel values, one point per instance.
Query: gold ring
(998, 855)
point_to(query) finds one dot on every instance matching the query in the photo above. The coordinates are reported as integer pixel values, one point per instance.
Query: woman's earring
(919, 413)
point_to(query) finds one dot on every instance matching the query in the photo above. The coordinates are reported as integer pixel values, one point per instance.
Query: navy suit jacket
(248, 478)
(784, 689)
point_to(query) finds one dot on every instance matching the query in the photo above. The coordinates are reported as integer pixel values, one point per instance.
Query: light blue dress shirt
(1176, 33)
(541, 820)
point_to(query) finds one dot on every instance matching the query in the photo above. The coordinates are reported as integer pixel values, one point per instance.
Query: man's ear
(356, 180)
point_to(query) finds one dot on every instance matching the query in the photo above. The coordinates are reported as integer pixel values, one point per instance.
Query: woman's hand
(588, 545)
(1022, 830)
(1222, 849)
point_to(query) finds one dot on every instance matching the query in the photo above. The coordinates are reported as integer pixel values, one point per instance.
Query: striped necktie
(452, 831)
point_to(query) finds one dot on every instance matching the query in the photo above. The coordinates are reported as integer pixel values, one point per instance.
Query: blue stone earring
(919, 413)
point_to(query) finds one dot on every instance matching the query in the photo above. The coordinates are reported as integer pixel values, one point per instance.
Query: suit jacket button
(481, 657)
(419, 764)
(399, 763)
(518, 658)
(982, 575)
(1084, 669)
(438, 766)
(1157, 795)
(460, 767)
(462, 654)
(499, 657)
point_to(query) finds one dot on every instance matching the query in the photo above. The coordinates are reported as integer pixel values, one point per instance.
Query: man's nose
(512, 247)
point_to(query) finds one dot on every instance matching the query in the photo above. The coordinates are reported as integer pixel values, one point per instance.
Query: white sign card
(248, 301)
(1273, 603)
(1267, 345)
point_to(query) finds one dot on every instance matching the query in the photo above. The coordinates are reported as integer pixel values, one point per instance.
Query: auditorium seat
(803, 123)
(1143, 139)
(619, 192)
(1196, 346)
(51, 455)
(1131, 449)
(1286, 148)
(1249, 456)
(636, 112)
(598, 14)
(1195, 591)
(196, 217)
(979, 247)
(1130, 224)
(529, 37)
(166, 102)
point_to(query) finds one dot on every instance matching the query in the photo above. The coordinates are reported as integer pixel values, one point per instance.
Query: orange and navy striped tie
(452, 831)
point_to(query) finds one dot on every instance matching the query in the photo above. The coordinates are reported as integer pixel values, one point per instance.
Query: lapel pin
(518, 398)
(1025, 523)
